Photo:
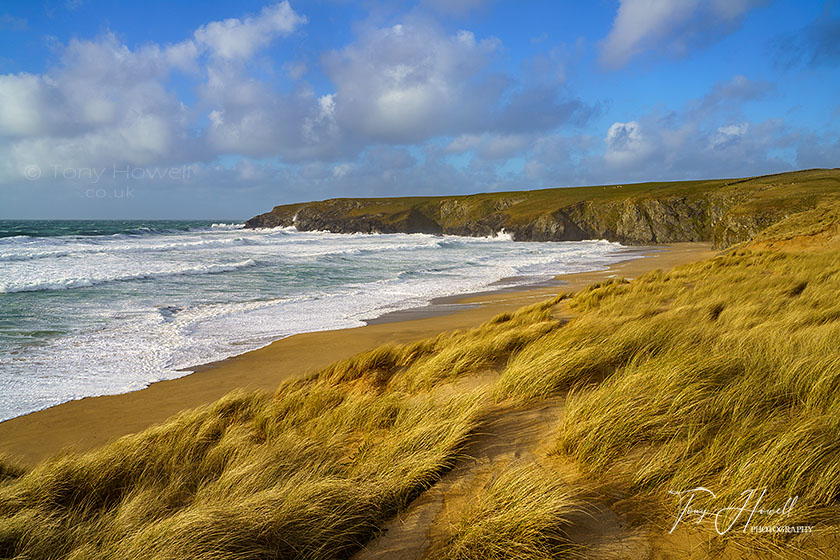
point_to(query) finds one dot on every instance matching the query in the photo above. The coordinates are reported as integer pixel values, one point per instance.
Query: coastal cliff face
(724, 212)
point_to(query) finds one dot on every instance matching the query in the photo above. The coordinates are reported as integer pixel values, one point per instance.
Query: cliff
(724, 211)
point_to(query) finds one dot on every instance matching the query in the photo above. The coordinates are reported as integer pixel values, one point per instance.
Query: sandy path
(507, 436)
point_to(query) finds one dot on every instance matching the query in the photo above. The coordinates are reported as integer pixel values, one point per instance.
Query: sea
(93, 308)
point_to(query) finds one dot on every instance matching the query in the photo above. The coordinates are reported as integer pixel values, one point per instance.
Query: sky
(221, 110)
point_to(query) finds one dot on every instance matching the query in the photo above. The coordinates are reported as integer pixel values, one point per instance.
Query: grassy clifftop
(724, 211)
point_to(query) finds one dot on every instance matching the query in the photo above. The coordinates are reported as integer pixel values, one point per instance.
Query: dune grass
(521, 514)
(722, 373)
(450, 355)
(311, 473)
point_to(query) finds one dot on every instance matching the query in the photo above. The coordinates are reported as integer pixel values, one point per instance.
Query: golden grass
(722, 374)
(310, 473)
(522, 514)
(449, 355)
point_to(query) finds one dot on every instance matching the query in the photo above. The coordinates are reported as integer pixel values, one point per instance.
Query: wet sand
(87, 423)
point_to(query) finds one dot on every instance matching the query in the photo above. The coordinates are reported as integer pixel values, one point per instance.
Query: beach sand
(87, 423)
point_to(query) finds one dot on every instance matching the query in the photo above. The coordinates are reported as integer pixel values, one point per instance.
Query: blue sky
(222, 110)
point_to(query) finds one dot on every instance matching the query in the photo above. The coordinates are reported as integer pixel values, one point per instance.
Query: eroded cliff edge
(724, 211)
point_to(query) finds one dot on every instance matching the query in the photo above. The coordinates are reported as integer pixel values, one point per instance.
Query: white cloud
(678, 145)
(626, 145)
(342, 169)
(675, 25)
(408, 82)
(728, 134)
(707, 137)
(412, 82)
(106, 103)
(20, 105)
(236, 38)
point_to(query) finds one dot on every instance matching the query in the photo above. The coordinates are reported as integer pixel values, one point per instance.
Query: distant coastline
(721, 211)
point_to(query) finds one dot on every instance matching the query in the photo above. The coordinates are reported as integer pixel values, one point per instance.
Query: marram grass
(723, 374)
(523, 514)
(311, 473)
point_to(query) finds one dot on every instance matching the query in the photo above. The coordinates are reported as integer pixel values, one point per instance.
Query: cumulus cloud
(626, 144)
(709, 136)
(407, 82)
(411, 82)
(673, 25)
(103, 103)
(236, 38)
(106, 103)
(251, 118)
(729, 135)
(680, 146)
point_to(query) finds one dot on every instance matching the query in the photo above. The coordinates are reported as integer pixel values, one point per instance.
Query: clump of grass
(522, 514)
(312, 472)
(382, 360)
(449, 355)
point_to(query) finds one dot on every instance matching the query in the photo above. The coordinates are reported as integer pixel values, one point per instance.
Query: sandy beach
(90, 422)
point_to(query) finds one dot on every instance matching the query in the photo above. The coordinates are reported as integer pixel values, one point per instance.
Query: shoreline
(446, 305)
(93, 421)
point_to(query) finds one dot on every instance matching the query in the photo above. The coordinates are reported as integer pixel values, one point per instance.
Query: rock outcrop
(724, 212)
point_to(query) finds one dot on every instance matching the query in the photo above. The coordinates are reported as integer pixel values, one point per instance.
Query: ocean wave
(69, 249)
(227, 226)
(124, 335)
(70, 283)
